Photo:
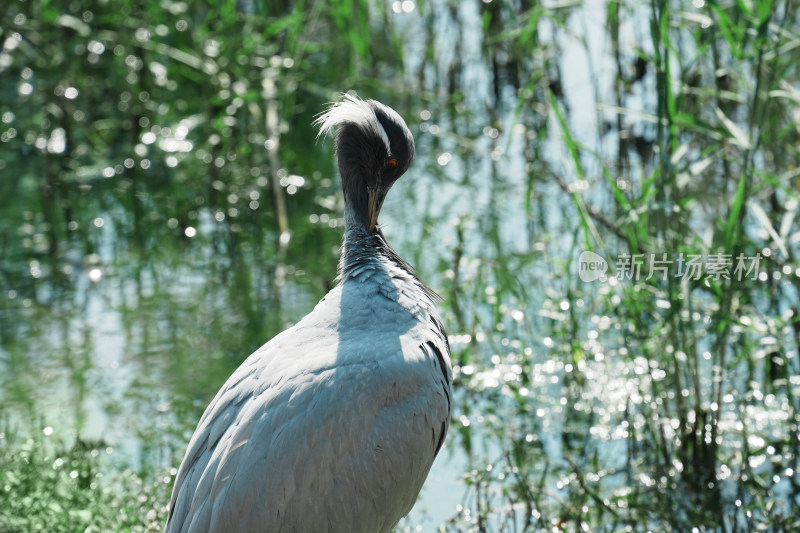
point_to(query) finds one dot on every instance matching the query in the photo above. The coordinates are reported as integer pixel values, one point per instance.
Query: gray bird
(334, 423)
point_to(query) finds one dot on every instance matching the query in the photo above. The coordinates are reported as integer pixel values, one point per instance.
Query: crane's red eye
(391, 163)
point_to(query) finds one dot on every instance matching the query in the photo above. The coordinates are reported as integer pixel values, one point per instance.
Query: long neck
(359, 247)
(362, 251)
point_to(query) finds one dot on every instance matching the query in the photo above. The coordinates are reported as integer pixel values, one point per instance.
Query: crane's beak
(373, 208)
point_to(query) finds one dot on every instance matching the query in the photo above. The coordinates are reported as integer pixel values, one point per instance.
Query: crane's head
(373, 149)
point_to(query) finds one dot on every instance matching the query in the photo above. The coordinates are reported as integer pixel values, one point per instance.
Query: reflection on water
(164, 210)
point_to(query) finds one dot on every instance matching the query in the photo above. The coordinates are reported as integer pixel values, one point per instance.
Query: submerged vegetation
(605, 193)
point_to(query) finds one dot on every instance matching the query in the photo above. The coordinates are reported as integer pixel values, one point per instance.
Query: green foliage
(48, 486)
(643, 402)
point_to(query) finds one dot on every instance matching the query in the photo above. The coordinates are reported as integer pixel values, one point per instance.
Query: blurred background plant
(164, 210)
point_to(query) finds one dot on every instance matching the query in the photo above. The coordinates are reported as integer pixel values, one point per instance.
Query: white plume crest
(353, 110)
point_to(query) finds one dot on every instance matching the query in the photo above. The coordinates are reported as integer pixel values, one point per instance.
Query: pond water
(165, 209)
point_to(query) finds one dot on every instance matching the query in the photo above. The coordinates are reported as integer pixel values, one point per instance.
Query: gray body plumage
(333, 424)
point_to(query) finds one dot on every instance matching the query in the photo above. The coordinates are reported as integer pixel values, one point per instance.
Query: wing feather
(298, 434)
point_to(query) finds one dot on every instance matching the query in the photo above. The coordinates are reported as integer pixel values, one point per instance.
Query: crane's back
(332, 425)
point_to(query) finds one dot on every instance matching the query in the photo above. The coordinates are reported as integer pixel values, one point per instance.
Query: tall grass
(654, 400)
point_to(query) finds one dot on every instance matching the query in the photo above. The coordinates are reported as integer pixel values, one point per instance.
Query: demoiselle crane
(332, 426)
